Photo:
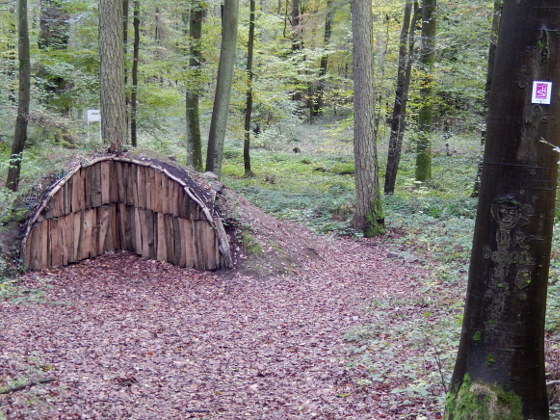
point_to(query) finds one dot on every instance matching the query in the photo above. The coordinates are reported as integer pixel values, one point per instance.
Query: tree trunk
(368, 217)
(54, 34)
(135, 62)
(493, 42)
(111, 74)
(406, 51)
(218, 124)
(125, 6)
(500, 363)
(194, 140)
(249, 100)
(425, 114)
(54, 26)
(318, 104)
(297, 39)
(24, 96)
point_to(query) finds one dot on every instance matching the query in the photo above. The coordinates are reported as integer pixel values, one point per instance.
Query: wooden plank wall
(115, 205)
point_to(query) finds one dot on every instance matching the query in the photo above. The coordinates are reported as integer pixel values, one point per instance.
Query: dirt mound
(264, 246)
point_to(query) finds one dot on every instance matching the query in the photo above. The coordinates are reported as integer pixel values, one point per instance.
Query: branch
(19, 387)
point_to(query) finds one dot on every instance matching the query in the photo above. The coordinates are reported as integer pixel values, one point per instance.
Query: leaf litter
(350, 334)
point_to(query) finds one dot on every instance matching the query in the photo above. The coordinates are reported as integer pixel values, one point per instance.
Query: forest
(394, 236)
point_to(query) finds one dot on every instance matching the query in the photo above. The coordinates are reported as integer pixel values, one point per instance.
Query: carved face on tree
(506, 212)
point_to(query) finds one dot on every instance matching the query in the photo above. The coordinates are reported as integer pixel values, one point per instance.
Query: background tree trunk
(493, 42)
(502, 341)
(135, 63)
(425, 114)
(368, 217)
(194, 140)
(218, 124)
(318, 102)
(249, 96)
(20, 134)
(54, 34)
(111, 74)
(406, 51)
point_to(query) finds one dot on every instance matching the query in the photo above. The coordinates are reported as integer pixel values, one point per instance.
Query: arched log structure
(121, 203)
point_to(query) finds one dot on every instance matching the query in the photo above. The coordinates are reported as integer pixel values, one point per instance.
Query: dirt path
(124, 337)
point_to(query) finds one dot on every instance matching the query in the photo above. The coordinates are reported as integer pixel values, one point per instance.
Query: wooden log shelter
(117, 203)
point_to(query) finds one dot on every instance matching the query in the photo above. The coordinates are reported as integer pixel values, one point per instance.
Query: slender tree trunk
(125, 6)
(111, 74)
(218, 125)
(135, 62)
(368, 217)
(318, 101)
(406, 47)
(297, 39)
(497, 14)
(194, 140)
(24, 96)
(500, 363)
(425, 114)
(249, 100)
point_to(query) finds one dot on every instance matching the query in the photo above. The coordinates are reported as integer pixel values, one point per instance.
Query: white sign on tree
(93, 115)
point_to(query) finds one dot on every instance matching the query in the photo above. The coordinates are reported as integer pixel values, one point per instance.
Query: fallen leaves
(131, 338)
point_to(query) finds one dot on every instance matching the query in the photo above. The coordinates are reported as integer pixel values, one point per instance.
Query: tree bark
(249, 95)
(194, 140)
(501, 353)
(425, 114)
(24, 97)
(111, 74)
(398, 120)
(135, 63)
(368, 217)
(218, 124)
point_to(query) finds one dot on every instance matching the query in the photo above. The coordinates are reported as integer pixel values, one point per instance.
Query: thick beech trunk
(20, 134)
(501, 354)
(368, 217)
(111, 74)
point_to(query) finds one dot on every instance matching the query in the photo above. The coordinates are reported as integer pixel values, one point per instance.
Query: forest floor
(354, 330)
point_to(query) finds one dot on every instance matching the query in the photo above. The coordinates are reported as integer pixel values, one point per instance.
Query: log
(157, 198)
(188, 243)
(54, 243)
(111, 242)
(78, 221)
(179, 258)
(141, 186)
(120, 176)
(105, 173)
(114, 183)
(89, 248)
(151, 235)
(103, 214)
(161, 254)
(67, 228)
(170, 239)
